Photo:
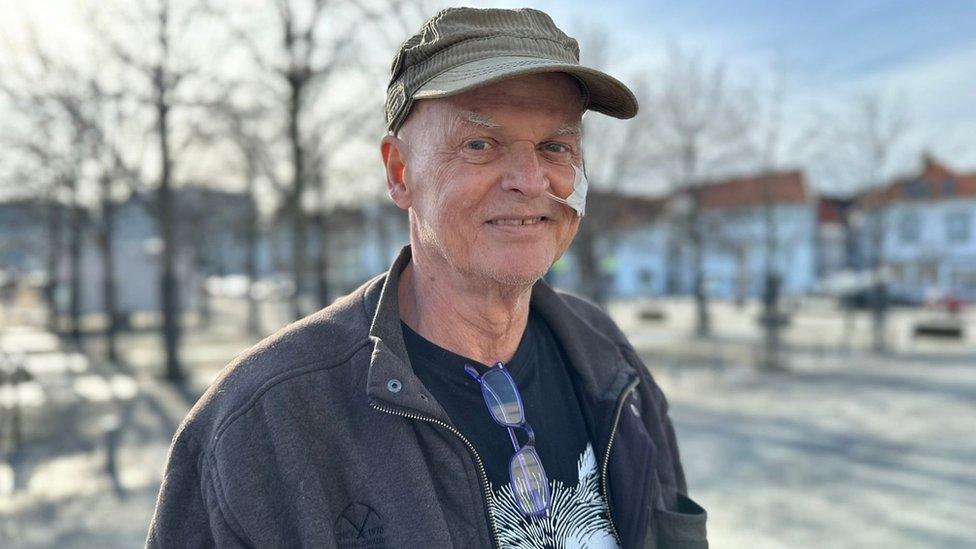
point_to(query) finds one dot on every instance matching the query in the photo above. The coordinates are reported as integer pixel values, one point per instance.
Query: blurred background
(785, 232)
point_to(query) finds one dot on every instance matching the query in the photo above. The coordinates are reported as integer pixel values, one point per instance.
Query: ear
(393, 150)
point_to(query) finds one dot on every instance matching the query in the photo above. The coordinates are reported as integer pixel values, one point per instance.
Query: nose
(525, 174)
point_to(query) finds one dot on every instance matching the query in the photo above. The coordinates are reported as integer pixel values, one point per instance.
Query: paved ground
(844, 450)
(878, 456)
(847, 449)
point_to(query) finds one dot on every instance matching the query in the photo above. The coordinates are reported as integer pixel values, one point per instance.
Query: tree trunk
(107, 244)
(55, 230)
(168, 279)
(772, 323)
(702, 320)
(741, 276)
(588, 267)
(76, 231)
(202, 270)
(689, 165)
(879, 314)
(879, 290)
(251, 261)
(322, 263)
(703, 326)
(771, 317)
(298, 244)
(673, 284)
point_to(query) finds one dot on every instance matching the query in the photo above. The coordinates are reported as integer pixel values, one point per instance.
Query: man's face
(476, 168)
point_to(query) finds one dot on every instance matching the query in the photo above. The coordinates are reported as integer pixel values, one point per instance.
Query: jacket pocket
(632, 480)
(683, 528)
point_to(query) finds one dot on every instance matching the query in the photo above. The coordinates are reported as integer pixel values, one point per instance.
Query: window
(957, 227)
(908, 227)
(645, 276)
(949, 187)
(964, 280)
(898, 273)
(915, 189)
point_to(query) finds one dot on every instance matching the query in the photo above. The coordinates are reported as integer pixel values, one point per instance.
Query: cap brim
(604, 93)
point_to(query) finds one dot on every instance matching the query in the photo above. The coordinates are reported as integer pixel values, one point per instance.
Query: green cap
(459, 49)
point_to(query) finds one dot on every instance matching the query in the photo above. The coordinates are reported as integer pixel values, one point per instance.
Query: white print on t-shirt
(577, 519)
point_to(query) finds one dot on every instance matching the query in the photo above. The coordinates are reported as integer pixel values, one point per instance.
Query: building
(359, 242)
(646, 249)
(927, 239)
(835, 240)
(208, 229)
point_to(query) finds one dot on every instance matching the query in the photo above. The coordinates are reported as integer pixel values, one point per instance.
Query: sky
(923, 52)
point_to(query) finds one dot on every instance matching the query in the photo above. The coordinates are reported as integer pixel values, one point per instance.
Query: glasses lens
(529, 482)
(502, 397)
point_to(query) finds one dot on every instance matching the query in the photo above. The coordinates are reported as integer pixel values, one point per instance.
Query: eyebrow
(484, 121)
(568, 129)
(478, 119)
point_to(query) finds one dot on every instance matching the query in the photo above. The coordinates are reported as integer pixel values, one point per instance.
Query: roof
(786, 187)
(934, 181)
(625, 211)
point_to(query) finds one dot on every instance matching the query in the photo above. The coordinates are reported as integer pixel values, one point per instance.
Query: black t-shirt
(542, 373)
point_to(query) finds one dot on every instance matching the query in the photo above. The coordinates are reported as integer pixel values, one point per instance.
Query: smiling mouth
(517, 222)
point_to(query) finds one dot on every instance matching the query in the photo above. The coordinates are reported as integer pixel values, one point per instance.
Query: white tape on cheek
(576, 200)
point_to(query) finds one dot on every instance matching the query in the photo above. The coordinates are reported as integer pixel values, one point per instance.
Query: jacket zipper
(606, 456)
(486, 491)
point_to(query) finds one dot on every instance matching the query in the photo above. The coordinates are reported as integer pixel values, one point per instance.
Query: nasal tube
(577, 199)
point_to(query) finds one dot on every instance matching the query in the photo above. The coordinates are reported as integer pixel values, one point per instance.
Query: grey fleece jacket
(322, 436)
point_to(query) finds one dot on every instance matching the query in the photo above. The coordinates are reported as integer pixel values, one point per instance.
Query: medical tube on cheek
(577, 199)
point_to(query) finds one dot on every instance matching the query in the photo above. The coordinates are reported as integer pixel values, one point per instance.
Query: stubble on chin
(516, 272)
(513, 280)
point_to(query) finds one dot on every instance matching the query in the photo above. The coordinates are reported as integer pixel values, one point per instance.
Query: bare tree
(300, 42)
(240, 126)
(772, 143)
(158, 73)
(875, 126)
(309, 50)
(700, 126)
(59, 138)
(316, 43)
(91, 118)
(39, 177)
(96, 115)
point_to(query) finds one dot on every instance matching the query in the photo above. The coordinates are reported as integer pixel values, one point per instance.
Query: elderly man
(456, 400)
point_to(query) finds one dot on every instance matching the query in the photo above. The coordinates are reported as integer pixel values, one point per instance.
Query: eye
(557, 148)
(477, 145)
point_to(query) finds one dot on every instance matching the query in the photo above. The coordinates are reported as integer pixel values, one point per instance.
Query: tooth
(531, 221)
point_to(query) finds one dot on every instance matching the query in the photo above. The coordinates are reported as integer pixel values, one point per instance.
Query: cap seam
(486, 70)
(584, 88)
(423, 64)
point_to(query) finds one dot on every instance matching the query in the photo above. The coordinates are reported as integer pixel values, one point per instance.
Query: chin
(516, 271)
(520, 278)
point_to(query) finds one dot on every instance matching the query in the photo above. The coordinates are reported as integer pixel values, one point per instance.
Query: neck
(480, 320)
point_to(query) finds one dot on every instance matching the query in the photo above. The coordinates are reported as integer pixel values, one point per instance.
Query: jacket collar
(600, 368)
